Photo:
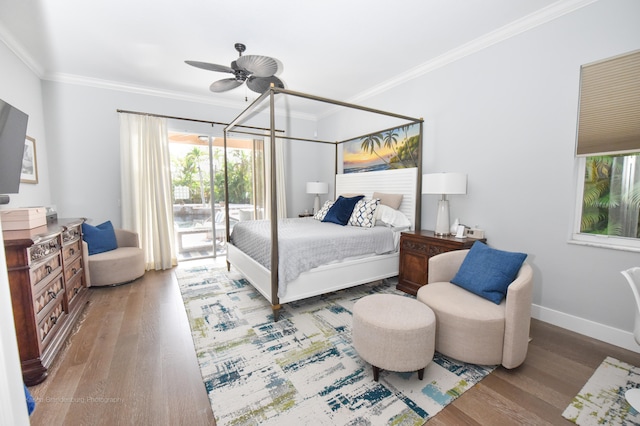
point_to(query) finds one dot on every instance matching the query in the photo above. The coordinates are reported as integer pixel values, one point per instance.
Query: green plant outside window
(611, 198)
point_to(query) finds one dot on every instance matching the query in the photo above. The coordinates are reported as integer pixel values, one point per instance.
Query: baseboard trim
(589, 328)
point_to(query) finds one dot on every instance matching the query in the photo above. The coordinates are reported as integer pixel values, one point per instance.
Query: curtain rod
(188, 119)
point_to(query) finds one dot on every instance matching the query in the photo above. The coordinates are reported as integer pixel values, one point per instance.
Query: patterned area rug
(601, 400)
(303, 368)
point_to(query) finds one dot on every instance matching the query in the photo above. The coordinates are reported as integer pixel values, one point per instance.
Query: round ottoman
(394, 333)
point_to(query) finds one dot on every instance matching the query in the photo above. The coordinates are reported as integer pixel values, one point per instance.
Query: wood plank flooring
(131, 361)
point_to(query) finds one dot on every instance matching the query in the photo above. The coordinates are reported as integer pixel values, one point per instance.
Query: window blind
(609, 110)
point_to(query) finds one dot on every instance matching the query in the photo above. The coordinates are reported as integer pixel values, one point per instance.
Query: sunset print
(390, 149)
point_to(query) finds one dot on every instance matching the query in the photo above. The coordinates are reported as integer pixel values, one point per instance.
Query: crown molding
(18, 49)
(512, 29)
(151, 91)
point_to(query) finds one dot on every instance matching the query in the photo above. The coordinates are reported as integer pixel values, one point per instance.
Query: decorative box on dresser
(416, 247)
(48, 290)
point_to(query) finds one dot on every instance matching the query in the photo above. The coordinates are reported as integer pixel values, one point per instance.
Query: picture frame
(29, 172)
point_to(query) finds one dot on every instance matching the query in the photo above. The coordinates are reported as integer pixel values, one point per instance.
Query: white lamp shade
(444, 183)
(317, 187)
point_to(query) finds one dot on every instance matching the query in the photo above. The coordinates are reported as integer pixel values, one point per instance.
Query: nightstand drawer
(415, 250)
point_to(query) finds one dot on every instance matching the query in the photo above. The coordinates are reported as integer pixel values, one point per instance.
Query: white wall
(83, 130)
(21, 88)
(506, 115)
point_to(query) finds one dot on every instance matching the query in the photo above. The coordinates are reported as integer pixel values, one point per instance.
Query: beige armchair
(472, 329)
(119, 266)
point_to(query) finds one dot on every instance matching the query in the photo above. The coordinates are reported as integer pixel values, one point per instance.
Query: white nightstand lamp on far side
(317, 188)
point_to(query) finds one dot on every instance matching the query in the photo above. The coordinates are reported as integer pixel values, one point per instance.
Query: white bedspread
(305, 243)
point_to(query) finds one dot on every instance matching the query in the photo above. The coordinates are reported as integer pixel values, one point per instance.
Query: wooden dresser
(416, 247)
(48, 290)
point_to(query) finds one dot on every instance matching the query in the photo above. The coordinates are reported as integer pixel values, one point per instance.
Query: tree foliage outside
(611, 198)
(192, 171)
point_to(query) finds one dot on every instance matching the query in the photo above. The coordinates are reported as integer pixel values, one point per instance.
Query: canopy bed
(283, 266)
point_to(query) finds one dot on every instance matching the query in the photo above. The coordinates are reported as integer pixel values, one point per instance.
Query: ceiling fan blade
(209, 67)
(259, 66)
(224, 85)
(262, 84)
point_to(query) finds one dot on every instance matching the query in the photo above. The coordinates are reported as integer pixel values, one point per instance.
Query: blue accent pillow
(341, 210)
(99, 238)
(488, 272)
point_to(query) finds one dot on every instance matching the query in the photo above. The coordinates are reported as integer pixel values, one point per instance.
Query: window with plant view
(611, 196)
(608, 150)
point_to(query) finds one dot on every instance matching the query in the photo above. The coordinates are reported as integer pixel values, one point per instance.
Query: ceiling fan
(258, 71)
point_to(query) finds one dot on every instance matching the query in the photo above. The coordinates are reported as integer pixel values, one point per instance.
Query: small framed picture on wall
(29, 162)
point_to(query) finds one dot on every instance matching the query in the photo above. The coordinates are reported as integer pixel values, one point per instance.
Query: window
(608, 150)
(610, 203)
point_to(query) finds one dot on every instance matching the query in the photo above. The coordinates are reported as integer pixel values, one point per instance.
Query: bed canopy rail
(267, 100)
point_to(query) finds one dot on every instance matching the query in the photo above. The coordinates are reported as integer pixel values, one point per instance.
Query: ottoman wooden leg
(376, 373)
(421, 374)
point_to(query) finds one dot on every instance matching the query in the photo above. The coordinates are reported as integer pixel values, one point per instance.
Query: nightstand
(416, 247)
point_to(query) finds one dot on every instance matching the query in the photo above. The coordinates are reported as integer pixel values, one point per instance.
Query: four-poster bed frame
(334, 276)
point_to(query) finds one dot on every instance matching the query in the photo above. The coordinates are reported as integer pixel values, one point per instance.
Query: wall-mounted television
(13, 131)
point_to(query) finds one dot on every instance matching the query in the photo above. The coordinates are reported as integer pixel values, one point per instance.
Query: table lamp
(444, 184)
(317, 188)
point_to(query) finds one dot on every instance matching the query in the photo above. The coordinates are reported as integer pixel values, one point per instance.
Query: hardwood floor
(131, 361)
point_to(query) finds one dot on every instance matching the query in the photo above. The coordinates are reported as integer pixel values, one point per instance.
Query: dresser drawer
(43, 249)
(46, 269)
(47, 296)
(50, 324)
(74, 287)
(72, 233)
(73, 268)
(71, 250)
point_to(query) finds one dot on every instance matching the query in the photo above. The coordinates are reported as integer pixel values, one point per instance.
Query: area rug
(302, 369)
(601, 400)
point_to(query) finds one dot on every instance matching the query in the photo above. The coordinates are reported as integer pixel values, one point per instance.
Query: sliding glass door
(197, 171)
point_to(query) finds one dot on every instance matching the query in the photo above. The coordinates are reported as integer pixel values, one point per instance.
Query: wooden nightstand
(416, 247)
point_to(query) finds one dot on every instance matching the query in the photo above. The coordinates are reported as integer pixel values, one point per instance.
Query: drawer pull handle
(53, 319)
(71, 251)
(76, 290)
(52, 294)
(74, 270)
(48, 268)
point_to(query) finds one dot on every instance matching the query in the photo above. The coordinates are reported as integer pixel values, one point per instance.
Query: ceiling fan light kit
(257, 71)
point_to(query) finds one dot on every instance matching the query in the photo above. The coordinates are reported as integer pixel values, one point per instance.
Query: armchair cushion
(99, 239)
(488, 272)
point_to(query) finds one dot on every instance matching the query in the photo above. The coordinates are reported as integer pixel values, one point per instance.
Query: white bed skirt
(317, 281)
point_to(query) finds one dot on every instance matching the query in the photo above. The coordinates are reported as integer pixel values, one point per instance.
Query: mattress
(306, 243)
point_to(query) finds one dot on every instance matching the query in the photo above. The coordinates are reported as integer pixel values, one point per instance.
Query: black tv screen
(13, 131)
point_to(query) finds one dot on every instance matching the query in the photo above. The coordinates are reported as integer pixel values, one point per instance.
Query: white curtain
(281, 196)
(147, 206)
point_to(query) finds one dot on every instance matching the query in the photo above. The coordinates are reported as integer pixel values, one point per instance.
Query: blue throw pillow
(341, 210)
(99, 238)
(488, 272)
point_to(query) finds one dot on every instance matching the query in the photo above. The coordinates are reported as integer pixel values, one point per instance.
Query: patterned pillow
(363, 213)
(320, 214)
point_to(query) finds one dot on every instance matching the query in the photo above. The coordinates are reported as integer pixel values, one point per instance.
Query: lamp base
(316, 204)
(442, 220)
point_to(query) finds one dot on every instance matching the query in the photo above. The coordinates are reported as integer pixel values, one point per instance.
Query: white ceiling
(337, 49)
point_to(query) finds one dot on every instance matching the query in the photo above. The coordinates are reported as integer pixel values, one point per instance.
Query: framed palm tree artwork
(395, 148)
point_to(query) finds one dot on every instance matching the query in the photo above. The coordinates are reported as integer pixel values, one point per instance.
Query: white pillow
(320, 214)
(391, 217)
(363, 213)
